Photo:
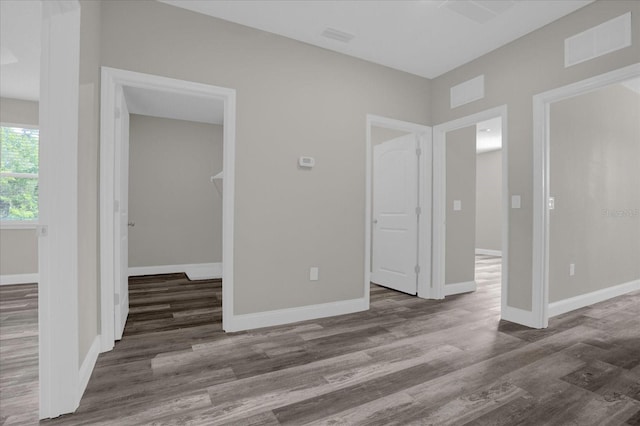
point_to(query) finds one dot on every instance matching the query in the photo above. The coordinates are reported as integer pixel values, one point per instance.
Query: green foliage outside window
(18, 173)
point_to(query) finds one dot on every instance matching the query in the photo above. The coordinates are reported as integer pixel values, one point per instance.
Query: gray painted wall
(595, 158)
(176, 208)
(513, 74)
(18, 247)
(489, 200)
(293, 99)
(461, 185)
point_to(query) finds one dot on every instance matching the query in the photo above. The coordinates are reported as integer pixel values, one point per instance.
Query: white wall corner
(577, 302)
(291, 315)
(19, 279)
(87, 366)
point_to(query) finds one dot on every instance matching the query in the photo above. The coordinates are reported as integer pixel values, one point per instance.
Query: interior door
(121, 255)
(395, 214)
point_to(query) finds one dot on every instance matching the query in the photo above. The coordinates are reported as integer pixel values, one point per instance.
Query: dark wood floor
(406, 361)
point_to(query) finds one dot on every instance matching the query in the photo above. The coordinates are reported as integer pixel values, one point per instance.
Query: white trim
(489, 252)
(87, 366)
(195, 271)
(519, 316)
(19, 279)
(58, 240)
(112, 79)
(457, 288)
(541, 180)
(577, 302)
(440, 196)
(424, 199)
(18, 224)
(301, 313)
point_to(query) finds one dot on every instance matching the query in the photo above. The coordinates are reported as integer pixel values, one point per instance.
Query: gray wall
(88, 190)
(595, 179)
(18, 247)
(293, 99)
(489, 200)
(513, 74)
(461, 185)
(176, 208)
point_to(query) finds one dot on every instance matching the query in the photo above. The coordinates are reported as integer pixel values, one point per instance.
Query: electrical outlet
(313, 273)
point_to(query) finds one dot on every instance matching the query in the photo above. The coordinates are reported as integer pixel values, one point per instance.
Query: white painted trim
(111, 80)
(489, 252)
(541, 180)
(457, 288)
(18, 224)
(87, 366)
(58, 246)
(195, 271)
(424, 199)
(440, 197)
(577, 302)
(19, 279)
(302, 313)
(519, 316)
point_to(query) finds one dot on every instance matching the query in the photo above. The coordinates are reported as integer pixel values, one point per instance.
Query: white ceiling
(156, 103)
(425, 37)
(20, 29)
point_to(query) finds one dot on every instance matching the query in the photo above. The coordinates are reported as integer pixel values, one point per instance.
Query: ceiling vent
(479, 11)
(338, 35)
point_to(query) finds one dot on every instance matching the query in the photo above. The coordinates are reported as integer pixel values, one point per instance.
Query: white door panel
(121, 254)
(395, 199)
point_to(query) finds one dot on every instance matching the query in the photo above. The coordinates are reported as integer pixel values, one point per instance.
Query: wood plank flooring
(405, 361)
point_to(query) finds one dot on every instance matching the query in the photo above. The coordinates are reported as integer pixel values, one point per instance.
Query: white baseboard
(290, 315)
(458, 288)
(195, 271)
(577, 302)
(19, 279)
(489, 252)
(519, 316)
(87, 366)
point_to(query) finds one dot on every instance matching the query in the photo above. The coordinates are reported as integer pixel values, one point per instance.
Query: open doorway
(470, 206)
(398, 225)
(164, 116)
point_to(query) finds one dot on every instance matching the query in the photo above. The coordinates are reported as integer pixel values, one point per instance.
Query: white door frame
(541, 178)
(112, 79)
(424, 200)
(58, 357)
(440, 196)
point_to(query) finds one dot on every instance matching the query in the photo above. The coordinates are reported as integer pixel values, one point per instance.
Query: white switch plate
(515, 202)
(313, 273)
(572, 269)
(457, 205)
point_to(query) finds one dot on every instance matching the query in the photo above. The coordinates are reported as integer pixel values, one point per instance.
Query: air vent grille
(338, 35)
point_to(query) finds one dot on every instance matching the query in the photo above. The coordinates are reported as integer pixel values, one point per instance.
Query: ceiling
(424, 37)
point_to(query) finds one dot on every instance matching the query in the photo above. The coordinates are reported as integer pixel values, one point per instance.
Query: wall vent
(605, 38)
(338, 35)
(469, 91)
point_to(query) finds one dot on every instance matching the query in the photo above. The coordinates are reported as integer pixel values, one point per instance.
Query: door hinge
(418, 152)
(418, 211)
(417, 269)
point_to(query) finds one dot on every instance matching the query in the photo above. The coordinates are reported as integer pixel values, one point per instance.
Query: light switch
(515, 202)
(313, 273)
(457, 205)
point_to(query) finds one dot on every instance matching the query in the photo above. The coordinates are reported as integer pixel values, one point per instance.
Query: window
(18, 174)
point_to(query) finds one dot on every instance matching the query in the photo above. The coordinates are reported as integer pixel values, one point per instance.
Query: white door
(121, 255)
(395, 214)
